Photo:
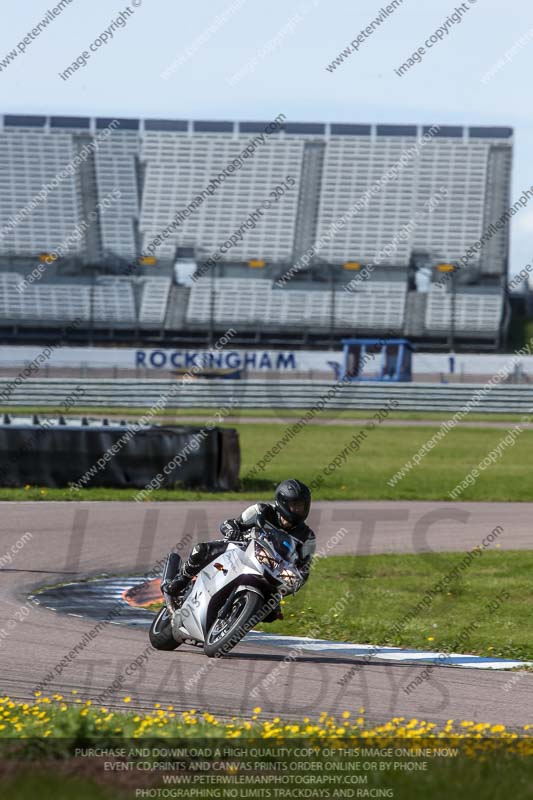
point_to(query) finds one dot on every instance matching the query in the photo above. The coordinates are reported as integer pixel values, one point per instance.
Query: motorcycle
(230, 595)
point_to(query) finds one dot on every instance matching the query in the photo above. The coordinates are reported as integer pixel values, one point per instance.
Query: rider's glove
(230, 529)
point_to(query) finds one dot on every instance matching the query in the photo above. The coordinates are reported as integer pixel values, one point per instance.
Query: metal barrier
(262, 394)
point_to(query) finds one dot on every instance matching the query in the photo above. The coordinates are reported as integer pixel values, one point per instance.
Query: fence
(261, 394)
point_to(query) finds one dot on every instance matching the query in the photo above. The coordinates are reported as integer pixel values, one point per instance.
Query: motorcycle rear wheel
(226, 632)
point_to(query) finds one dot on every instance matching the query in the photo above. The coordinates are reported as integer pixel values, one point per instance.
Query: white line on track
(297, 643)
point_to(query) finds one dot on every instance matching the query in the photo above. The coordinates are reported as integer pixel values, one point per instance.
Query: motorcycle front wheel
(228, 630)
(161, 632)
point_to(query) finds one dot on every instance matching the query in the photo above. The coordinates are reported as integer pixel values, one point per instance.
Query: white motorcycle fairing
(237, 565)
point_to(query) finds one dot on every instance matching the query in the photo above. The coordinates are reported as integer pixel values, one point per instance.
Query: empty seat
(480, 313)
(112, 301)
(40, 204)
(257, 302)
(154, 300)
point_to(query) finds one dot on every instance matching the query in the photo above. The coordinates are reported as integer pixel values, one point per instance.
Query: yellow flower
(345, 714)
(127, 699)
(431, 638)
(257, 710)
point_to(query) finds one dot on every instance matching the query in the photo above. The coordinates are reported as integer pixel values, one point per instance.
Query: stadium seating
(179, 167)
(376, 306)
(473, 312)
(160, 167)
(113, 300)
(154, 300)
(354, 163)
(115, 162)
(110, 301)
(28, 163)
(147, 171)
(42, 301)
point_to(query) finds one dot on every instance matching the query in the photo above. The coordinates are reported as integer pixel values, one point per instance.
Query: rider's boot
(274, 615)
(177, 584)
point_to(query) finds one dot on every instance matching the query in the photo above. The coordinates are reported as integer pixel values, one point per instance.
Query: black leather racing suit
(233, 530)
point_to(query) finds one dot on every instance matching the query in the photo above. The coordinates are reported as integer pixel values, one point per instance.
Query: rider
(289, 511)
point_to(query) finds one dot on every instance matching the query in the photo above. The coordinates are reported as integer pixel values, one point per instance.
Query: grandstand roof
(227, 126)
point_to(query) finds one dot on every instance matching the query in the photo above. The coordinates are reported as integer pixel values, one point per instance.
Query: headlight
(264, 557)
(290, 578)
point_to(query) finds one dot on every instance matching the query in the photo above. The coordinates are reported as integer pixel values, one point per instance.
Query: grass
(62, 721)
(384, 588)
(169, 414)
(461, 778)
(373, 593)
(56, 787)
(362, 474)
(486, 760)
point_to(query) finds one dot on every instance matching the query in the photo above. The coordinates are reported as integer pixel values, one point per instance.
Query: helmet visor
(294, 511)
(297, 507)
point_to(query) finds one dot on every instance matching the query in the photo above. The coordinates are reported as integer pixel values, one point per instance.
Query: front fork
(170, 569)
(169, 602)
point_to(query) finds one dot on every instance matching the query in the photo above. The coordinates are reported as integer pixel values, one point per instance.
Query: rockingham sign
(284, 362)
(229, 359)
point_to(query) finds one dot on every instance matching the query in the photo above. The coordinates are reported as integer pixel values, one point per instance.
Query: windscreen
(282, 543)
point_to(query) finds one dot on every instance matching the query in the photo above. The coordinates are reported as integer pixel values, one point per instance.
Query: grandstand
(145, 195)
(376, 307)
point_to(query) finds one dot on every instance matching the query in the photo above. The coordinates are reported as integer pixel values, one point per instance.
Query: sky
(245, 59)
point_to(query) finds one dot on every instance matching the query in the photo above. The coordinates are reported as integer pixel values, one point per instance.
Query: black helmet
(293, 500)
